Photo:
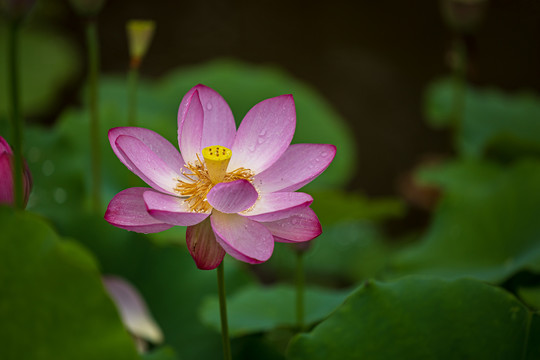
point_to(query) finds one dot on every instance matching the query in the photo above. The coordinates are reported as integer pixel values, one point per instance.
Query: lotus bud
(140, 33)
(7, 192)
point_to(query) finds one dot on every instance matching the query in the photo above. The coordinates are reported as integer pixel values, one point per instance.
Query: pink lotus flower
(7, 195)
(233, 189)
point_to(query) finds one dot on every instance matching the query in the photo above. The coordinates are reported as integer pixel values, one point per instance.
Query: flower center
(207, 173)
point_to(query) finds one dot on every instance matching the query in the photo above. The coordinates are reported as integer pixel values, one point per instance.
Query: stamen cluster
(201, 184)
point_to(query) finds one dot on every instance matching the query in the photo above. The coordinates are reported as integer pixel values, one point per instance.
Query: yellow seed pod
(217, 159)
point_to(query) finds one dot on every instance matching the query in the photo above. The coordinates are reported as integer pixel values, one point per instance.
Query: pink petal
(277, 206)
(242, 238)
(190, 129)
(171, 209)
(299, 165)
(219, 127)
(133, 309)
(301, 226)
(264, 134)
(203, 247)
(6, 177)
(232, 197)
(142, 161)
(155, 142)
(127, 210)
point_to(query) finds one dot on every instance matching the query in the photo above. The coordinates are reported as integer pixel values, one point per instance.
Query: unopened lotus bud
(7, 191)
(16, 9)
(463, 15)
(140, 33)
(87, 7)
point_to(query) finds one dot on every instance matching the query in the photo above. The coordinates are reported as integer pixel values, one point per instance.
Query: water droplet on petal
(251, 147)
(209, 106)
(294, 221)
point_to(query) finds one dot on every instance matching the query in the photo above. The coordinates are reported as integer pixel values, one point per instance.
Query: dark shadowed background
(370, 59)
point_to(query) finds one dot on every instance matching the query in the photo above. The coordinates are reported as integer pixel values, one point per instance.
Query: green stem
(16, 118)
(133, 80)
(300, 280)
(223, 313)
(459, 78)
(93, 72)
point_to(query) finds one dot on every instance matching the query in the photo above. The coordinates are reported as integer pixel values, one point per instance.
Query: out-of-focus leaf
(164, 353)
(350, 251)
(47, 62)
(53, 304)
(424, 318)
(334, 206)
(258, 309)
(486, 225)
(530, 296)
(491, 120)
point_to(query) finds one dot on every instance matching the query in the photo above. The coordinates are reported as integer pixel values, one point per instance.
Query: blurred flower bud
(87, 7)
(16, 9)
(7, 193)
(463, 16)
(140, 33)
(133, 311)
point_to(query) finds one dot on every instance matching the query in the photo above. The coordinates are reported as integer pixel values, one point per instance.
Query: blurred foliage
(263, 308)
(344, 253)
(335, 206)
(164, 353)
(531, 296)
(492, 121)
(486, 225)
(53, 298)
(47, 63)
(424, 318)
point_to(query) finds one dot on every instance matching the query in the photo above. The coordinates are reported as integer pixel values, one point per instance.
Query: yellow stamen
(205, 174)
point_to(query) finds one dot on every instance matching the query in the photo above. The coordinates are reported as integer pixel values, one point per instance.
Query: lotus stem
(93, 72)
(223, 313)
(16, 118)
(300, 282)
(133, 81)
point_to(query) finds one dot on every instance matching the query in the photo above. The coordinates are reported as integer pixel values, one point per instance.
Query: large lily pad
(486, 225)
(53, 304)
(424, 318)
